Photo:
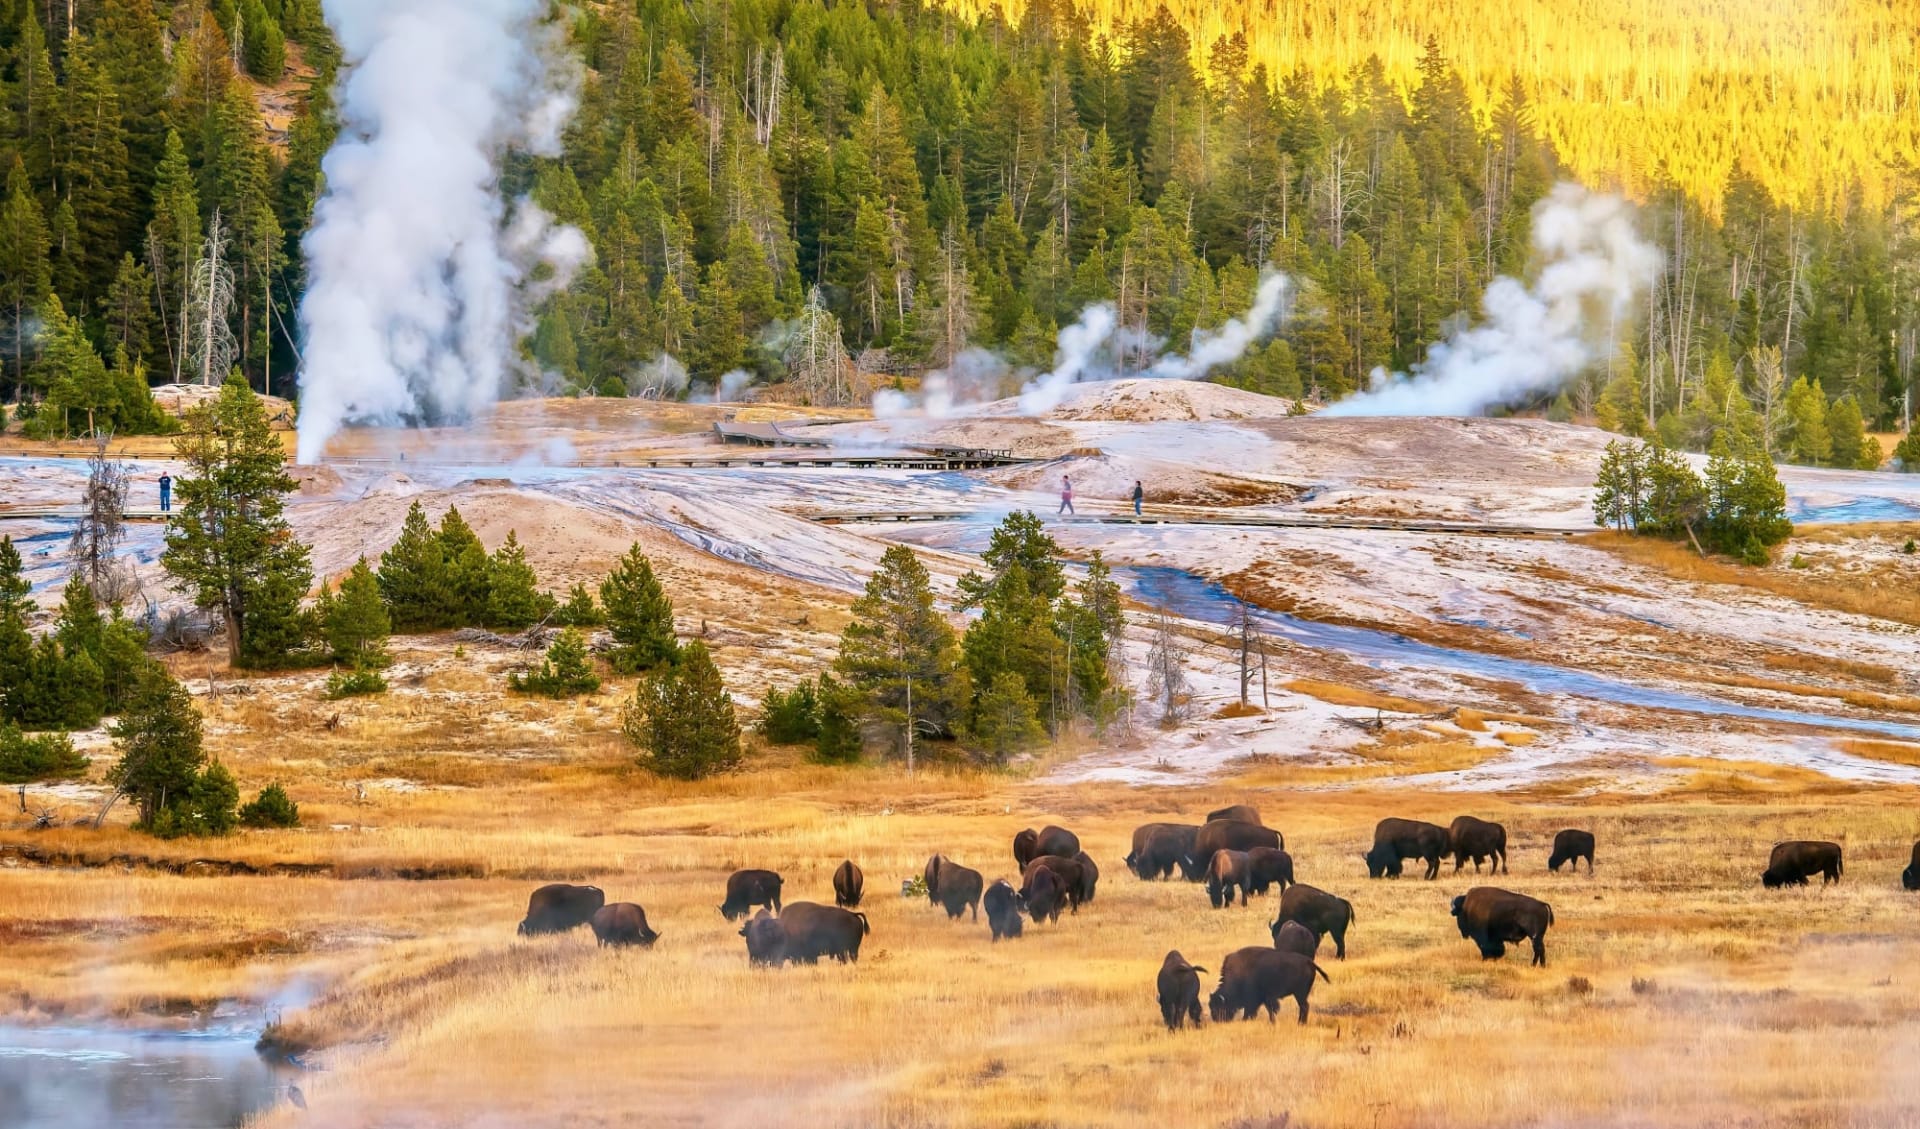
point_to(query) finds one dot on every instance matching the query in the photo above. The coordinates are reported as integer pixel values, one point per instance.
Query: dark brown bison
(1319, 911)
(848, 884)
(1041, 892)
(1910, 877)
(766, 939)
(749, 888)
(1227, 872)
(1477, 839)
(1293, 937)
(1230, 835)
(1159, 847)
(953, 887)
(1179, 984)
(1572, 846)
(622, 923)
(1090, 875)
(1072, 877)
(1791, 864)
(1491, 917)
(814, 931)
(1397, 839)
(1267, 866)
(1002, 903)
(1255, 978)
(1049, 840)
(1245, 813)
(559, 907)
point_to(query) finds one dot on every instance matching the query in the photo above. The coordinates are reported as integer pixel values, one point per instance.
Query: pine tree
(132, 51)
(16, 642)
(413, 576)
(579, 610)
(355, 622)
(129, 307)
(173, 243)
(1853, 449)
(1746, 504)
(1619, 492)
(513, 598)
(1004, 721)
(682, 720)
(229, 542)
(72, 372)
(639, 616)
(1809, 442)
(566, 671)
(898, 652)
(159, 741)
(26, 270)
(837, 719)
(92, 153)
(467, 571)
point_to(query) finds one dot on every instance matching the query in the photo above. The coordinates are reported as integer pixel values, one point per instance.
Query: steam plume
(1594, 268)
(419, 279)
(1225, 345)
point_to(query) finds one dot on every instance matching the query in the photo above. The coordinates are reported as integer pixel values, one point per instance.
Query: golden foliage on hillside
(1810, 99)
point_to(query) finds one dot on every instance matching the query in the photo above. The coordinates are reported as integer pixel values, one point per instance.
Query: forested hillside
(940, 181)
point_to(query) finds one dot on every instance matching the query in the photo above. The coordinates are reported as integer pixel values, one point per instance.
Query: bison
(1253, 978)
(1229, 835)
(1072, 877)
(1397, 839)
(1245, 813)
(1477, 839)
(848, 883)
(1791, 864)
(1049, 840)
(766, 939)
(1159, 847)
(1090, 875)
(559, 907)
(814, 931)
(1225, 873)
(622, 923)
(1041, 892)
(1572, 846)
(1002, 903)
(1179, 985)
(1267, 866)
(1910, 877)
(1293, 937)
(1491, 917)
(953, 887)
(1319, 911)
(749, 888)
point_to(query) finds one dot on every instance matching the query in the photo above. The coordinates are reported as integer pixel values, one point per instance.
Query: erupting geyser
(419, 272)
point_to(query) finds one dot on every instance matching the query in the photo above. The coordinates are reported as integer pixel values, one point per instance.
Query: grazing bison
(560, 907)
(1179, 985)
(766, 939)
(1159, 847)
(953, 887)
(1049, 840)
(1090, 875)
(1791, 864)
(1477, 839)
(1041, 892)
(814, 931)
(1572, 846)
(1397, 839)
(1293, 937)
(1910, 877)
(1245, 813)
(1071, 875)
(1002, 904)
(848, 883)
(749, 888)
(1491, 917)
(1267, 866)
(1225, 873)
(1255, 978)
(1319, 911)
(1230, 835)
(622, 923)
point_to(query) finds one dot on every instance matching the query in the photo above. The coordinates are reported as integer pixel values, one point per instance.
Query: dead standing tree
(1167, 671)
(93, 549)
(817, 363)
(208, 339)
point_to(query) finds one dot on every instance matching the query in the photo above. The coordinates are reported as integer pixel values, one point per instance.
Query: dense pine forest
(925, 181)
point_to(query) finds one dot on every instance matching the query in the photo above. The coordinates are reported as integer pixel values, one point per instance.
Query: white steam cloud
(419, 278)
(1594, 268)
(1223, 346)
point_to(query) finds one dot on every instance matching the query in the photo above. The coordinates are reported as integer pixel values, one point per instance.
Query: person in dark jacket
(1139, 496)
(166, 492)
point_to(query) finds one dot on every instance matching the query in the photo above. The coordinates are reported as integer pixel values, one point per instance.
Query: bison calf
(1179, 985)
(1268, 866)
(559, 907)
(1477, 839)
(1491, 917)
(1572, 846)
(1293, 937)
(1398, 839)
(953, 887)
(1255, 978)
(749, 888)
(1225, 873)
(1791, 864)
(848, 883)
(622, 923)
(1316, 910)
(1002, 904)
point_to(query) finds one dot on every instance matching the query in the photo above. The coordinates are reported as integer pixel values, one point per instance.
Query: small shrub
(681, 719)
(1799, 561)
(1579, 986)
(1645, 987)
(271, 808)
(1909, 548)
(565, 672)
(355, 683)
(29, 757)
(837, 709)
(206, 809)
(790, 718)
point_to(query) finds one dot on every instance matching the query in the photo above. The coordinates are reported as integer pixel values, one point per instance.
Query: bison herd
(1233, 853)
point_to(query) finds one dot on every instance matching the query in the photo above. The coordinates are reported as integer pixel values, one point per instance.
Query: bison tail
(1196, 968)
(1323, 974)
(864, 927)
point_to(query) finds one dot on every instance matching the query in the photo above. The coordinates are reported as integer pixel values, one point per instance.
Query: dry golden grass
(1340, 694)
(1865, 699)
(1896, 752)
(1899, 602)
(1805, 663)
